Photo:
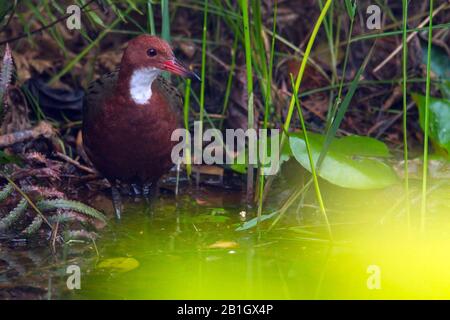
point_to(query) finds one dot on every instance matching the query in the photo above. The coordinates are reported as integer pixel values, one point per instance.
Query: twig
(25, 34)
(397, 50)
(75, 163)
(54, 234)
(42, 129)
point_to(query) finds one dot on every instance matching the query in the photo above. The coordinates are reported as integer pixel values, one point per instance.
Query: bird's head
(146, 51)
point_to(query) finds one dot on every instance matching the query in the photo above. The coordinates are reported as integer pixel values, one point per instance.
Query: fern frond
(33, 227)
(48, 205)
(13, 215)
(6, 191)
(79, 234)
(5, 75)
(43, 191)
(67, 216)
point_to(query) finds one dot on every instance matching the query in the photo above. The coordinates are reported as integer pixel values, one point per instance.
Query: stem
(250, 114)
(405, 111)
(150, 18)
(423, 208)
(267, 102)
(311, 163)
(202, 85)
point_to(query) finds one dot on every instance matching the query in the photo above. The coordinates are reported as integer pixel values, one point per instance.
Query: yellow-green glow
(172, 245)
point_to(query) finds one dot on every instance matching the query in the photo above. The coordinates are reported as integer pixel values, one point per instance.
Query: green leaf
(350, 5)
(253, 222)
(440, 66)
(351, 162)
(439, 111)
(96, 18)
(7, 158)
(239, 168)
(5, 8)
(361, 146)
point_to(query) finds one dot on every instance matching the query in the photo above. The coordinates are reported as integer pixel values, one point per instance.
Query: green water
(188, 249)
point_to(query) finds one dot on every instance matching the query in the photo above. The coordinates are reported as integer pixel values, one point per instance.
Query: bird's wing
(171, 93)
(98, 90)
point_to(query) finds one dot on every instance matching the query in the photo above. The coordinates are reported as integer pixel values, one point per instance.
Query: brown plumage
(127, 137)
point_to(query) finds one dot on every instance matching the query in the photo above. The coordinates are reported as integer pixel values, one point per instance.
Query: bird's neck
(138, 83)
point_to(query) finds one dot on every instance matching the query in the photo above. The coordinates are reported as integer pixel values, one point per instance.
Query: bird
(129, 116)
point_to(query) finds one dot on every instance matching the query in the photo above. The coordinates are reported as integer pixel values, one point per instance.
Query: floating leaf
(439, 112)
(207, 218)
(121, 264)
(351, 162)
(223, 245)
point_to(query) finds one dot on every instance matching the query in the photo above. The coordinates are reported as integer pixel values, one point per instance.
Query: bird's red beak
(176, 67)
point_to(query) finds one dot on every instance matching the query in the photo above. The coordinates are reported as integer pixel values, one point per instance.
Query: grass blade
(311, 162)
(250, 111)
(423, 207)
(405, 114)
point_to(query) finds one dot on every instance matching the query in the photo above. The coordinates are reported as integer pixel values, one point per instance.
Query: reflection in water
(189, 249)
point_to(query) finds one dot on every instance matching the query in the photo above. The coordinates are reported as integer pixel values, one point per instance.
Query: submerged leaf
(351, 162)
(206, 218)
(253, 222)
(121, 264)
(223, 245)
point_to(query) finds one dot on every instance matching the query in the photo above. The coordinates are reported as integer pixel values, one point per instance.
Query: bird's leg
(146, 189)
(136, 190)
(117, 201)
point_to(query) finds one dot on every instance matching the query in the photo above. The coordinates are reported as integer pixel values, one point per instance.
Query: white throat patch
(141, 84)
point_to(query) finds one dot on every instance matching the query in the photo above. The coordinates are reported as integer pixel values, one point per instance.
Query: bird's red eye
(151, 52)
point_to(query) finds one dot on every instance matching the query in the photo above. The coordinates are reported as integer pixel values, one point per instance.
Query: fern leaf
(13, 215)
(5, 75)
(33, 227)
(48, 205)
(67, 216)
(79, 234)
(6, 191)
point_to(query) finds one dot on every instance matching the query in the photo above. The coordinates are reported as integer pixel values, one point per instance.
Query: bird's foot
(135, 190)
(117, 201)
(146, 189)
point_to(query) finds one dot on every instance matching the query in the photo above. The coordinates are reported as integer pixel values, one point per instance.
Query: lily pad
(120, 264)
(439, 112)
(351, 162)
